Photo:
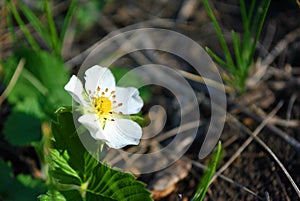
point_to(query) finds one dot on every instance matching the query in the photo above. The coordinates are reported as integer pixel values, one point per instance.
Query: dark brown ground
(254, 168)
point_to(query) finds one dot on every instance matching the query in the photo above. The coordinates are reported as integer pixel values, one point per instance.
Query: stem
(13, 81)
(23, 27)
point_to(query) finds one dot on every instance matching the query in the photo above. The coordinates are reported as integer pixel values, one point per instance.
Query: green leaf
(61, 170)
(39, 89)
(94, 197)
(11, 189)
(28, 129)
(116, 185)
(73, 169)
(89, 165)
(208, 174)
(52, 196)
(51, 73)
(66, 139)
(29, 181)
(24, 94)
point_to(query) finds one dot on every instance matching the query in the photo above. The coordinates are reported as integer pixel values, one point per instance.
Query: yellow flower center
(103, 107)
(104, 104)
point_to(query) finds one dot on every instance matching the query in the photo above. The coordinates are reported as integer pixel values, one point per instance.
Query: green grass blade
(222, 41)
(208, 174)
(247, 38)
(259, 29)
(37, 25)
(23, 27)
(67, 20)
(10, 24)
(245, 18)
(250, 13)
(53, 31)
(220, 61)
(236, 48)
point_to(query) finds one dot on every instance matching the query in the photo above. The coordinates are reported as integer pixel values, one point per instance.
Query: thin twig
(290, 106)
(174, 131)
(271, 153)
(206, 81)
(264, 65)
(280, 46)
(291, 141)
(280, 165)
(267, 196)
(247, 142)
(187, 9)
(13, 81)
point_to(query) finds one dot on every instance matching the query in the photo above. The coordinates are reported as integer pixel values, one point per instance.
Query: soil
(255, 168)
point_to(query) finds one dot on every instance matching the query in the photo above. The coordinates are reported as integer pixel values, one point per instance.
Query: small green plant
(244, 46)
(49, 33)
(208, 174)
(74, 174)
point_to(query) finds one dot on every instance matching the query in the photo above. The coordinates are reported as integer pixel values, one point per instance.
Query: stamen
(106, 90)
(98, 88)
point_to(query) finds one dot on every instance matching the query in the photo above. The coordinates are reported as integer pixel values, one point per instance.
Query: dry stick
(13, 80)
(267, 42)
(270, 152)
(280, 47)
(291, 141)
(206, 81)
(184, 127)
(257, 139)
(290, 106)
(187, 9)
(247, 142)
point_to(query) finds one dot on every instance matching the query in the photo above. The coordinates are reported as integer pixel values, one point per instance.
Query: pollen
(104, 104)
(103, 107)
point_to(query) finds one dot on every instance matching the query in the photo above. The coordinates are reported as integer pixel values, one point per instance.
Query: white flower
(106, 107)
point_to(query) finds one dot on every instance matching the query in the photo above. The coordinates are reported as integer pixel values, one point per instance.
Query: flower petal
(91, 122)
(98, 76)
(130, 99)
(122, 132)
(75, 88)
